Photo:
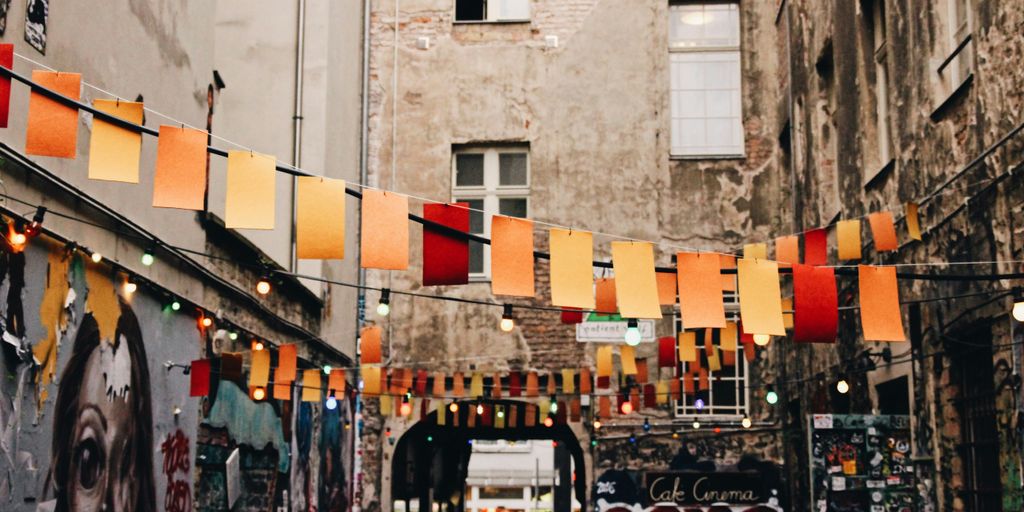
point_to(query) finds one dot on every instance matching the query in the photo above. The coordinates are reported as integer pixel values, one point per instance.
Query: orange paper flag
(628, 357)
(311, 385)
(250, 191)
(286, 361)
(700, 290)
(604, 296)
(586, 385)
(787, 313)
(512, 257)
(458, 385)
(883, 231)
(636, 288)
(666, 288)
(180, 177)
(320, 218)
(259, 370)
(369, 345)
(913, 222)
(604, 361)
(880, 304)
(52, 126)
(438, 388)
(728, 280)
(760, 297)
(114, 151)
(532, 385)
(848, 235)
(568, 381)
(728, 337)
(336, 383)
(604, 408)
(757, 251)
(572, 271)
(385, 230)
(282, 386)
(787, 250)
(688, 346)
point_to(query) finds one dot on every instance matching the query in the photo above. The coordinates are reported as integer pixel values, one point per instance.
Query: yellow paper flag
(848, 235)
(250, 197)
(568, 381)
(787, 313)
(913, 222)
(756, 251)
(760, 297)
(688, 346)
(714, 363)
(572, 270)
(662, 391)
(476, 385)
(114, 151)
(604, 361)
(311, 385)
(636, 288)
(727, 338)
(320, 218)
(371, 380)
(628, 357)
(259, 371)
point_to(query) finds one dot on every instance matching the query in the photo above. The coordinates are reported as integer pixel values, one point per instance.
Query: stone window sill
(881, 171)
(489, 22)
(958, 92)
(707, 157)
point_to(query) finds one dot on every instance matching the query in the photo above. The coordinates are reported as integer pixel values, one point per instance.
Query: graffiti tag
(176, 461)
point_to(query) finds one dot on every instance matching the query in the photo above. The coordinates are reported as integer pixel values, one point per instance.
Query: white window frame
(491, 192)
(736, 50)
(880, 51)
(500, 11)
(957, 66)
(741, 375)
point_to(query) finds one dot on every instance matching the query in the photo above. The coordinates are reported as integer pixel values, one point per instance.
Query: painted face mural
(102, 430)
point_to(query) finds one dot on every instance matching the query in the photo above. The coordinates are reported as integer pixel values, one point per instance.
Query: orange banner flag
(319, 218)
(666, 288)
(787, 250)
(880, 316)
(913, 221)
(700, 290)
(688, 346)
(114, 151)
(179, 180)
(760, 297)
(628, 358)
(311, 385)
(532, 385)
(371, 381)
(336, 383)
(728, 280)
(728, 337)
(883, 231)
(572, 271)
(385, 230)
(282, 386)
(604, 296)
(458, 385)
(636, 287)
(259, 368)
(604, 361)
(512, 265)
(369, 345)
(52, 126)
(286, 363)
(586, 383)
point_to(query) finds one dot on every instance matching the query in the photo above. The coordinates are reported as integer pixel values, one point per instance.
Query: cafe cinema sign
(698, 488)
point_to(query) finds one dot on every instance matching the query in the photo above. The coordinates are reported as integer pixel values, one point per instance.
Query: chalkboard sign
(702, 488)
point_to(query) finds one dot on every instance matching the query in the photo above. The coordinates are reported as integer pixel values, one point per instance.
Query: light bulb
(480, 409)
(842, 386)
(454, 407)
(548, 421)
(177, 410)
(554, 406)
(675, 435)
(632, 438)
(632, 332)
(501, 413)
(627, 407)
(18, 239)
(762, 339)
(259, 393)
(130, 287)
(405, 409)
(430, 439)
(647, 425)
(383, 309)
(96, 257)
(745, 422)
(263, 286)
(232, 335)
(507, 322)
(257, 345)
(1018, 311)
(332, 403)
(327, 369)
(175, 306)
(147, 257)
(699, 403)
(771, 397)
(696, 424)
(206, 321)
(597, 424)
(384, 306)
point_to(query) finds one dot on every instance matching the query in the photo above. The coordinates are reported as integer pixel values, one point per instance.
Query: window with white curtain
(705, 88)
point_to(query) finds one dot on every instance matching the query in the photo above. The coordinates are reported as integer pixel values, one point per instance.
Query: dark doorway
(979, 438)
(894, 396)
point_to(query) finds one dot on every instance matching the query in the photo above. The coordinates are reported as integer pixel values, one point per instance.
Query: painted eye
(89, 461)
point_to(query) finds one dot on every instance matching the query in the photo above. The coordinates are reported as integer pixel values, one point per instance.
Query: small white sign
(233, 478)
(613, 332)
(822, 421)
(838, 483)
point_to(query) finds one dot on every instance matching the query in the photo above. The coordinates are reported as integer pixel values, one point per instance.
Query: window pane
(706, 103)
(469, 10)
(512, 169)
(476, 217)
(476, 258)
(469, 170)
(704, 25)
(513, 207)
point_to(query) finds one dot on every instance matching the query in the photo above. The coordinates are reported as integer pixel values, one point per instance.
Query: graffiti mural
(176, 472)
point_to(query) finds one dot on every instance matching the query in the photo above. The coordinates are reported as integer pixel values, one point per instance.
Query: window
(704, 67)
(492, 10)
(727, 394)
(955, 68)
(495, 180)
(879, 36)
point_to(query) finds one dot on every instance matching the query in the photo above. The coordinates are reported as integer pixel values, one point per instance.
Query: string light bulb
(745, 422)
(96, 257)
(1018, 307)
(147, 257)
(699, 404)
(130, 286)
(175, 305)
(696, 424)
(406, 407)
(632, 332)
(36, 226)
(632, 438)
(454, 407)
(263, 286)
(597, 424)
(762, 339)
(771, 396)
(500, 413)
(384, 305)
(626, 407)
(507, 322)
(647, 425)
(232, 335)
(259, 393)
(332, 403)
(843, 387)
(205, 321)
(549, 421)
(257, 345)
(18, 238)
(327, 369)
(479, 409)
(554, 406)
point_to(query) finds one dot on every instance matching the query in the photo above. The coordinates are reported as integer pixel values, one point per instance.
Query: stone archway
(430, 462)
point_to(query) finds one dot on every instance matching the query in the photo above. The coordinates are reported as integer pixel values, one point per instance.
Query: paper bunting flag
(728, 280)
(574, 410)
(666, 288)
(787, 250)
(311, 385)
(52, 126)
(552, 387)
(787, 313)
(703, 383)
(714, 363)
(816, 247)
(250, 191)
(628, 359)
(199, 378)
(603, 382)
(114, 151)
(319, 218)
(604, 361)
(371, 380)
(634, 398)
(848, 236)
(421, 382)
(471, 419)
(438, 389)
(757, 251)
(700, 290)
(572, 316)
(604, 296)
(728, 337)
(7, 61)
(880, 316)
(568, 381)
(650, 395)
(179, 180)
(259, 369)
(513, 416)
(883, 231)
(515, 385)
(445, 257)
(286, 363)
(675, 388)
(532, 385)
(913, 221)
(458, 385)
(496, 385)
(572, 271)
(728, 358)
(441, 414)
(636, 288)
(689, 386)
(476, 385)
(604, 407)
(663, 392)
(586, 382)
(369, 345)
(760, 297)
(231, 367)
(641, 371)
(282, 387)
(397, 374)
(666, 352)
(384, 230)
(512, 266)
(688, 346)
(530, 416)
(815, 301)
(336, 383)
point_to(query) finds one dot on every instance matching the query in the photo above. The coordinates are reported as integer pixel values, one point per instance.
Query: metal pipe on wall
(300, 58)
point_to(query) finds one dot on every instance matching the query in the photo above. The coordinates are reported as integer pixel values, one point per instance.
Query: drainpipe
(300, 58)
(357, 463)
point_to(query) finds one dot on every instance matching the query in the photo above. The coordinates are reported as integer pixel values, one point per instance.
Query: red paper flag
(667, 352)
(815, 304)
(199, 378)
(421, 382)
(445, 257)
(816, 247)
(515, 388)
(650, 396)
(604, 382)
(7, 61)
(572, 316)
